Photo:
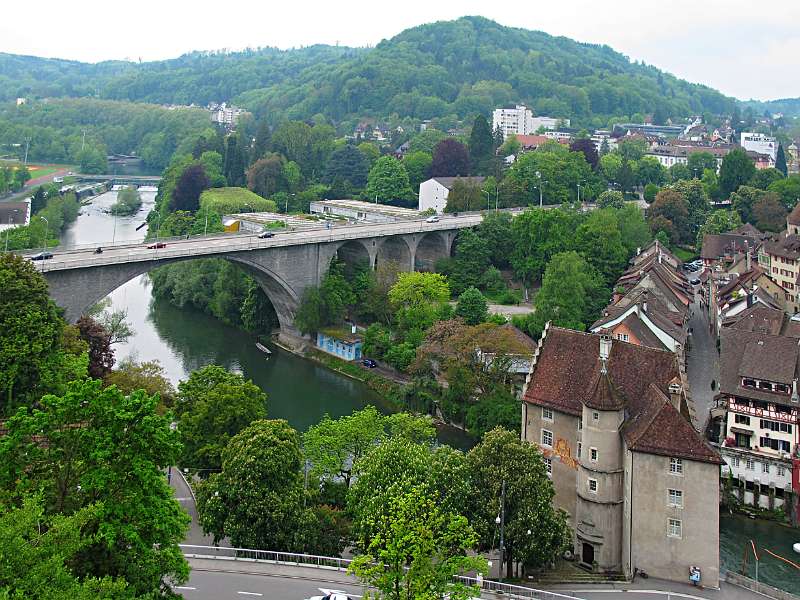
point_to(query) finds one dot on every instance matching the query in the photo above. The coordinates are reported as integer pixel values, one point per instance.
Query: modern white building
(758, 142)
(516, 120)
(548, 123)
(433, 192)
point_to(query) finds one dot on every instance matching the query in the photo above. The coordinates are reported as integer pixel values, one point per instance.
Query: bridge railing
(225, 244)
(342, 564)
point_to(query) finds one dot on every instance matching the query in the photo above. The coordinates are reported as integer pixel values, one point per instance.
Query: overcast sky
(743, 48)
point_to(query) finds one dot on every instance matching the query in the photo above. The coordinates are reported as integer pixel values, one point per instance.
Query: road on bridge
(72, 258)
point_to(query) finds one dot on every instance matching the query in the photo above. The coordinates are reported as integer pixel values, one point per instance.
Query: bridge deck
(127, 252)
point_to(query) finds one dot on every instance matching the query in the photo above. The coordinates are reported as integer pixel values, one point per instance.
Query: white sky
(743, 48)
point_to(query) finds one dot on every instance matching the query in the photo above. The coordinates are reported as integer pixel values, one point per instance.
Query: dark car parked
(42, 256)
(369, 363)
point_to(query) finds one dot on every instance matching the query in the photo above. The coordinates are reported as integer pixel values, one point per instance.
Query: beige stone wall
(650, 548)
(563, 453)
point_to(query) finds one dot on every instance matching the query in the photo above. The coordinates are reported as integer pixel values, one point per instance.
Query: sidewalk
(727, 591)
(185, 497)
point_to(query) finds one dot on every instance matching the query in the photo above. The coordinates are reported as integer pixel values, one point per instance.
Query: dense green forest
(55, 129)
(446, 69)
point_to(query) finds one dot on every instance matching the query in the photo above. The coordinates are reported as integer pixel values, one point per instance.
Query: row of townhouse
(755, 422)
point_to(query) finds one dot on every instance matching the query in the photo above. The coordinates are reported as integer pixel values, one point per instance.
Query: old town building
(640, 485)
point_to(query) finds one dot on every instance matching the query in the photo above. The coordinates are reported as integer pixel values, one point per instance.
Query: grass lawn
(235, 200)
(684, 255)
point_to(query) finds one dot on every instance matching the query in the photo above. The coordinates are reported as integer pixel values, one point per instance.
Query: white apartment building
(758, 142)
(516, 120)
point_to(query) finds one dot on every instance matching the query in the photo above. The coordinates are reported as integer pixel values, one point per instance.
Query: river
(182, 340)
(301, 391)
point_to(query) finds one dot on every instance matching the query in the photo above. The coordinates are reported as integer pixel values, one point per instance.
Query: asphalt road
(702, 363)
(204, 585)
(214, 585)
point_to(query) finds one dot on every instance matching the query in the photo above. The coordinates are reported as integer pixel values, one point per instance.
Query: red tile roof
(567, 374)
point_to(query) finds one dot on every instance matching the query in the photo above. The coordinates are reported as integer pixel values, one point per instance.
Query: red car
(156, 246)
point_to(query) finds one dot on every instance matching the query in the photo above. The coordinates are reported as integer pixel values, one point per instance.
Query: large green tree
(539, 235)
(102, 447)
(718, 221)
(212, 406)
(481, 146)
(788, 189)
(736, 170)
(536, 532)
(572, 294)
(388, 180)
(472, 306)
(347, 166)
(36, 354)
(36, 551)
(599, 241)
(417, 548)
(257, 498)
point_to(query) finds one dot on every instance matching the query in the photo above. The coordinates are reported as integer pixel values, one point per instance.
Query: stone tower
(599, 508)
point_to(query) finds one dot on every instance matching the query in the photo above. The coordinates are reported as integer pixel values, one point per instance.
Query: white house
(433, 192)
(758, 142)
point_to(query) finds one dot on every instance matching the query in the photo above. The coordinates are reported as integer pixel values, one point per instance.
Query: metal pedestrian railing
(267, 556)
(342, 564)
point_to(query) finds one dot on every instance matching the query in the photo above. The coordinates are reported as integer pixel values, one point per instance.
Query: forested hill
(790, 107)
(445, 69)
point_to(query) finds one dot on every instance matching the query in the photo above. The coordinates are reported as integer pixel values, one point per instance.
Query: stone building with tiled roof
(640, 484)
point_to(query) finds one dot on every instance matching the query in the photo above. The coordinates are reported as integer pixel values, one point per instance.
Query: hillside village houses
(518, 119)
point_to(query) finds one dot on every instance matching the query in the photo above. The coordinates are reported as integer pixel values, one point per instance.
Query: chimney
(605, 351)
(644, 301)
(675, 390)
(795, 397)
(749, 299)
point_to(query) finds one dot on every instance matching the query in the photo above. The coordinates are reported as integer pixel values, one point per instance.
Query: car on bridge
(42, 256)
(156, 246)
(331, 595)
(266, 234)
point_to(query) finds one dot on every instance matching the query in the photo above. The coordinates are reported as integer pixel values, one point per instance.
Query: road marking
(249, 593)
(184, 587)
(183, 499)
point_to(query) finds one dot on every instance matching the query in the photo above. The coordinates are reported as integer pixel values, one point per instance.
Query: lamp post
(293, 195)
(488, 198)
(502, 518)
(539, 177)
(579, 192)
(46, 232)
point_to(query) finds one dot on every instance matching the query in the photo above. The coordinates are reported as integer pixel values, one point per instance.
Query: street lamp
(539, 177)
(46, 232)
(488, 197)
(579, 192)
(293, 195)
(501, 520)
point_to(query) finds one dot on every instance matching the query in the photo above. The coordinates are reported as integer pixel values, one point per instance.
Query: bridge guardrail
(342, 564)
(185, 249)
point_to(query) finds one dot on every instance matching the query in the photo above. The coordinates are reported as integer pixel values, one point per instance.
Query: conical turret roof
(603, 394)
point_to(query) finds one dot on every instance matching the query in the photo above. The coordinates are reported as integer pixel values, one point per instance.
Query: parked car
(432, 219)
(369, 363)
(266, 234)
(694, 281)
(42, 256)
(156, 246)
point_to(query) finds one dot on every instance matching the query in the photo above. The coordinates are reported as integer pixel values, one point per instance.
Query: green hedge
(230, 200)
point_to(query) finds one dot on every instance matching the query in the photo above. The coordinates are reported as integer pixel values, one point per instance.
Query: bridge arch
(430, 248)
(77, 290)
(395, 249)
(355, 254)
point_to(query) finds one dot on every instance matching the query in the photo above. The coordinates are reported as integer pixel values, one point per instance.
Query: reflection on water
(736, 531)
